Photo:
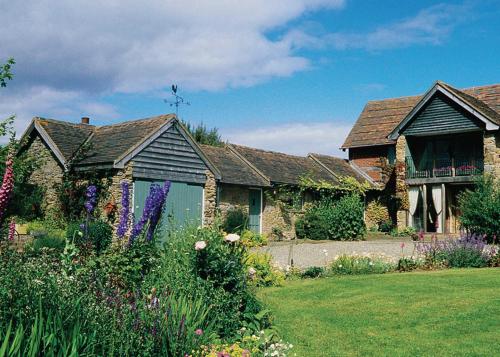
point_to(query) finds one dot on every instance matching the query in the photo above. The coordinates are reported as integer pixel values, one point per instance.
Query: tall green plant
(481, 208)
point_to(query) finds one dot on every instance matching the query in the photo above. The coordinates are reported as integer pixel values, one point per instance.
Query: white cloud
(431, 25)
(293, 138)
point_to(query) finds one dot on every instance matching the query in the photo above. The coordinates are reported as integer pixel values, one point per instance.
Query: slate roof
(110, 142)
(340, 167)
(106, 143)
(283, 168)
(380, 117)
(68, 137)
(233, 169)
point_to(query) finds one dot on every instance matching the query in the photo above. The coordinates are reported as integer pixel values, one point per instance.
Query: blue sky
(291, 75)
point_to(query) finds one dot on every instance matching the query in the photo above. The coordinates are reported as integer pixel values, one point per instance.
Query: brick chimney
(85, 120)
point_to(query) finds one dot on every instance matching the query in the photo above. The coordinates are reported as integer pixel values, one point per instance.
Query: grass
(440, 313)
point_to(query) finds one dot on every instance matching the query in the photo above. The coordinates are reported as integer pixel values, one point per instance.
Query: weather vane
(178, 100)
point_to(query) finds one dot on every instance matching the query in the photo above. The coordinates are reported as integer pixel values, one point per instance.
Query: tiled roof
(340, 167)
(283, 168)
(110, 142)
(380, 117)
(233, 169)
(68, 137)
(106, 143)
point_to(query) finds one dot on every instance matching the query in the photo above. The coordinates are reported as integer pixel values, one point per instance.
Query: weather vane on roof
(178, 100)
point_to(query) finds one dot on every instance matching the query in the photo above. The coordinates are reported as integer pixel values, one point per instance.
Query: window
(391, 155)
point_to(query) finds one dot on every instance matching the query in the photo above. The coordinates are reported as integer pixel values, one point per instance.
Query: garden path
(305, 254)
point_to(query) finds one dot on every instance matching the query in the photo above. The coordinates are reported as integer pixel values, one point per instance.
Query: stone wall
(401, 189)
(231, 197)
(114, 196)
(47, 176)
(276, 216)
(210, 199)
(492, 153)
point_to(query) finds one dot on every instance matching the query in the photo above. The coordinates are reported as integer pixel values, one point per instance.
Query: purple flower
(91, 194)
(125, 212)
(152, 211)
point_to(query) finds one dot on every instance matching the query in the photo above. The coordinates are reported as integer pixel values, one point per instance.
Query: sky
(283, 75)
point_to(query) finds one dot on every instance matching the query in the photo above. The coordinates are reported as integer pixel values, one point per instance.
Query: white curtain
(438, 205)
(413, 193)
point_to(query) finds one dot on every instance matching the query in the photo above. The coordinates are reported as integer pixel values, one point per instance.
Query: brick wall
(368, 159)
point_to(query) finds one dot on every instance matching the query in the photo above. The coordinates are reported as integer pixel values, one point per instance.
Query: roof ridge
(268, 151)
(57, 121)
(161, 116)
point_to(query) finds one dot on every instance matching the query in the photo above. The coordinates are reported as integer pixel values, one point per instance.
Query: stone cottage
(426, 149)
(205, 179)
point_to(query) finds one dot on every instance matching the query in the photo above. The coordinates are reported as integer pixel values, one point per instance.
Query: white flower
(251, 271)
(232, 238)
(340, 266)
(200, 245)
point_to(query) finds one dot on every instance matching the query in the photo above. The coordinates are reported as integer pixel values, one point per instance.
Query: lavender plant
(470, 250)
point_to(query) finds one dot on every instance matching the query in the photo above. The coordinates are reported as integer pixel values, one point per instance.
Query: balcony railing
(445, 167)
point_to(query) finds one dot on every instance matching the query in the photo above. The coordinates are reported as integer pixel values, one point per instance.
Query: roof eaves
(46, 137)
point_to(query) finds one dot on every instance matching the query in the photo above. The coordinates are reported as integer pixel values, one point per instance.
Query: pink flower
(12, 229)
(200, 245)
(199, 332)
(7, 185)
(402, 245)
(232, 238)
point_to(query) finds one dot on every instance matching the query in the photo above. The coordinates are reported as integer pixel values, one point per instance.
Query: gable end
(170, 157)
(442, 115)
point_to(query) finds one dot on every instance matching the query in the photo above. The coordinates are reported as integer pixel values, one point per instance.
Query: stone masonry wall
(231, 197)
(47, 176)
(492, 153)
(401, 190)
(115, 194)
(210, 199)
(275, 216)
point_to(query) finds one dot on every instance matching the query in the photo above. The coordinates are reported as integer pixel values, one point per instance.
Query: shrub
(403, 232)
(340, 220)
(377, 213)
(236, 220)
(354, 265)
(99, 235)
(408, 264)
(469, 251)
(250, 239)
(51, 242)
(386, 226)
(481, 208)
(261, 270)
(313, 272)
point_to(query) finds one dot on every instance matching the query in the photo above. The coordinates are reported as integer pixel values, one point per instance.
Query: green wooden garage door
(183, 206)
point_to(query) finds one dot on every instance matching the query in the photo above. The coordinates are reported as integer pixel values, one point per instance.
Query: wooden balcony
(444, 167)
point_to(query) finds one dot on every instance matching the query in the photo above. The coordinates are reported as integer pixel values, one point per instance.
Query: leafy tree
(203, 135)
(481, 208)
(5, 72)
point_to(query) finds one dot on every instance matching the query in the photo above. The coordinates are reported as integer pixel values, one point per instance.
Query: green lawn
(442, 313)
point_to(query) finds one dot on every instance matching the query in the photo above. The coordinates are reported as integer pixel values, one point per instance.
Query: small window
(391, 155)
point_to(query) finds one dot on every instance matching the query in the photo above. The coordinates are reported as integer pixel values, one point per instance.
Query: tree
(203, 135)
(5, 72)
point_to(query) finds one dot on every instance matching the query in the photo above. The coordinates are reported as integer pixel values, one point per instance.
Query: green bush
(251, 239)
(338, 220)
(403, 232)
(481, 208)
(313, 272)
(262, 272)
(354, 265)
(99, 235)
(50, 242)
(236, 221)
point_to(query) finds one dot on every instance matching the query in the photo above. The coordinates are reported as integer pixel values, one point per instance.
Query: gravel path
(320, 254)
